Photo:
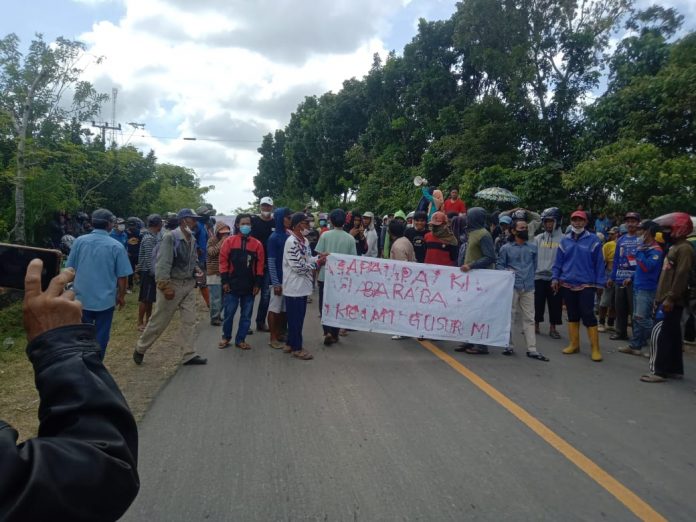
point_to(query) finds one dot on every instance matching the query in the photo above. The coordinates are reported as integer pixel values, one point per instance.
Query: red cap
(579, 214)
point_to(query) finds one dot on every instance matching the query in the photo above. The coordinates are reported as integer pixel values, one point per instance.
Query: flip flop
(537, 356)
(224, 343)
(243, 346)
(305, 356)
(475, 350)
(554, 335)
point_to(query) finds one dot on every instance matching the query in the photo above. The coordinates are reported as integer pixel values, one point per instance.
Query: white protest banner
(414, 299)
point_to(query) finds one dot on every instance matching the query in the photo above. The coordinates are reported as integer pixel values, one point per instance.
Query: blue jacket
(624, 259)
(649, 261)
(276, 244)
(579, 261)
(201, 234)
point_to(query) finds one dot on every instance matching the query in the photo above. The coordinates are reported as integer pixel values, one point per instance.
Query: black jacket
(83, 464)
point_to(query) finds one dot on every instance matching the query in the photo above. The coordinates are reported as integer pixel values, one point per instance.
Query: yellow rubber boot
(593, 334)
(574, 336)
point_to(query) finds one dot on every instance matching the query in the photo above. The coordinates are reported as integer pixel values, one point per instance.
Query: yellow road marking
(639, 507)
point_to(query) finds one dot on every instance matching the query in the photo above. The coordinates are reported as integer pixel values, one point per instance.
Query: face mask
(245, 229)
(305, 232)
(121, 228)
(523, 235)
(265, 214)
(322, 223)
(187, 229)
(578, 230)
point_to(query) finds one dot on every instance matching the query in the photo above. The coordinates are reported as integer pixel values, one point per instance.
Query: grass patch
(19, 400)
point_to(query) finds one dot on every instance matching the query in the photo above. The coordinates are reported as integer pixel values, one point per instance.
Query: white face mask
(305, 232)
(187, 229)
(265, 214)
(121, 228)
(577, 230)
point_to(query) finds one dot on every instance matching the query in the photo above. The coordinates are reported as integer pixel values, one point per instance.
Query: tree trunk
(20, 228)
(20, 233)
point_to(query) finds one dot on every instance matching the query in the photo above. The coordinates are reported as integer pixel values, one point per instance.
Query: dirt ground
(19, 400)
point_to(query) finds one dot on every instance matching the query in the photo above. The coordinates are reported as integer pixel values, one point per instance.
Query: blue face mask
(245, 229)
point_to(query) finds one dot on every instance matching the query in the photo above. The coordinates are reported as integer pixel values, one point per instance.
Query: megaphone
(419, 182)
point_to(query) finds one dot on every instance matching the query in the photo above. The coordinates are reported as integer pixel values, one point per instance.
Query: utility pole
(114, 94)
(104, 126)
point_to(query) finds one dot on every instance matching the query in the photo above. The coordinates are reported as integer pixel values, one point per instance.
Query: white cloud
(228, 71)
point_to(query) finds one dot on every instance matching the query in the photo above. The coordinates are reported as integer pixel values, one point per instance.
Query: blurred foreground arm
(82, 465)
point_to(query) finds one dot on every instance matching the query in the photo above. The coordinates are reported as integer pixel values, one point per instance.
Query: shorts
(276, 304)
(148, 288)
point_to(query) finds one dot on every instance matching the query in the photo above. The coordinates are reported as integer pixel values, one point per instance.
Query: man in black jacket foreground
(82, 466)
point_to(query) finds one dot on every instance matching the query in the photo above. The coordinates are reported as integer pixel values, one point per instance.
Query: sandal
(651, 377)
(508, 351)
(537, 356)
(243, 346)
(305, 356)
(476, 350)
(287, 348)
(141, 327)
(224, 343)
(553, 334)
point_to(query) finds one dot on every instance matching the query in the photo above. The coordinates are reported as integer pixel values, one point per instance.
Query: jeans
(102, 321)
(215, 289)
(580, 305)
(296, 308)
(232, 301)
(642, 317)
(264, 299)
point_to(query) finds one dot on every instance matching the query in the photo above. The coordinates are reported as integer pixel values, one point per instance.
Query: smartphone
(14, 260)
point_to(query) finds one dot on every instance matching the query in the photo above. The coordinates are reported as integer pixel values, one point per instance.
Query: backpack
(176, 234)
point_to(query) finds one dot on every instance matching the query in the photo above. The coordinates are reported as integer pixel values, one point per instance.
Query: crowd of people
(611, 275)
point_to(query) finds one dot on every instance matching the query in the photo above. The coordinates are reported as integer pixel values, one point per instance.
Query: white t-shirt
(298, 267)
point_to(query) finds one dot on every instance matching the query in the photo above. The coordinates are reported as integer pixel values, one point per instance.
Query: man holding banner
(520, 258)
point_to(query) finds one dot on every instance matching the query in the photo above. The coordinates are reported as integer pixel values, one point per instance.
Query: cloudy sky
(225, 71)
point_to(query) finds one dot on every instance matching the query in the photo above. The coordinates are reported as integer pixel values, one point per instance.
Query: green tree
(31, 89)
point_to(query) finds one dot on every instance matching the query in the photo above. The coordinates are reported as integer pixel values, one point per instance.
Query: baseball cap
(185, 213)
(614, 230)
(439, 218)
(153, 220)
(505, 219)
(266, 200)
(632, 215)
(579, 214)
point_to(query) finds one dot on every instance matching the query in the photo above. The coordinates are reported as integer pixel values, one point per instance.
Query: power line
(196, 139)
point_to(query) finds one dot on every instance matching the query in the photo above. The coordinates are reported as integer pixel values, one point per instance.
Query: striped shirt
(148, 241)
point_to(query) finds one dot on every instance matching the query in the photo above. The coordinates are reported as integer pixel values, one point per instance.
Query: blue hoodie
(275, 246)
(579, 261)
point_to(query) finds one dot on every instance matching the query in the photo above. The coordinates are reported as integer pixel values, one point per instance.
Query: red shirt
(439, 253)
(457, 206)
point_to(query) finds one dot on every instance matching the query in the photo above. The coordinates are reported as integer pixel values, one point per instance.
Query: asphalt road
(374, 429)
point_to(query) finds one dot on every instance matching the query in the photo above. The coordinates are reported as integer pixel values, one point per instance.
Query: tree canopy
(524, 94)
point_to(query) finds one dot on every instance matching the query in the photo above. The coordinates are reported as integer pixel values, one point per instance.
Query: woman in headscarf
(441, 247)
(435, 198)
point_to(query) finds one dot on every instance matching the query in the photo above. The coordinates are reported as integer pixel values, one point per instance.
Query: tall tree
(31, 90)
